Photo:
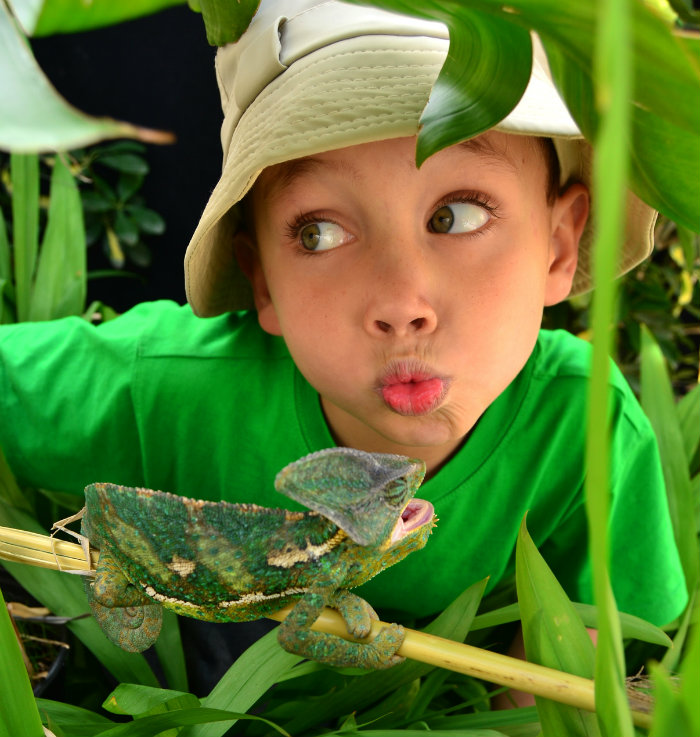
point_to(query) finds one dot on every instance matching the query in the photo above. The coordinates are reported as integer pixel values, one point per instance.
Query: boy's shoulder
(167, 329)
(562, 368)
(562, 355)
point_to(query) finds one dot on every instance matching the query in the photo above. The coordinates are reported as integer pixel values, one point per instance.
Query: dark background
(157, 72)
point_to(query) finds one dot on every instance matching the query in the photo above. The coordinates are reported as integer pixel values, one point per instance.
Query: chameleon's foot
(357, 613)
(295, 636)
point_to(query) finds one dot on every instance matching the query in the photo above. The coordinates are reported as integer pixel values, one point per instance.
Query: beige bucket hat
(314, 75)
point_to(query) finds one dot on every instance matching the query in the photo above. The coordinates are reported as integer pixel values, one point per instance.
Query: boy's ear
(249, 262)
(569, 216)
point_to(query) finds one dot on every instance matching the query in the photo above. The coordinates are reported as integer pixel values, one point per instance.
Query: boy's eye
(322, 236)
(458, 217)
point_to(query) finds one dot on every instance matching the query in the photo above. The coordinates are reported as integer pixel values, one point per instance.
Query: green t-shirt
(213, 408)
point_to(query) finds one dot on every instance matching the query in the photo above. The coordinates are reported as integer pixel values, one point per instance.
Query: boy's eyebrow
(483, 146)
(287, 172)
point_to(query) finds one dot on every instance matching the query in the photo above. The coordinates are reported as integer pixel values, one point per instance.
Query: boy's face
(410, 298)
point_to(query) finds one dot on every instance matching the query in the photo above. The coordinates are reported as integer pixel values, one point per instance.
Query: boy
(400, 312)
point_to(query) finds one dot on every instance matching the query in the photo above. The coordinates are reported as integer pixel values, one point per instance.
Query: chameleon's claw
(357, 613)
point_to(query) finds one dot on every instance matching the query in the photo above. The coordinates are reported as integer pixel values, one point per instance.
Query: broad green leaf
(5, 260)
(155, 725)
(147, 220)
(690, 680)
(46, 17)
(633, 628)
(126, 162)
(253, 673)
(677, 710)
(659, 405)
(226, 21)
(10, 493)
(453, 624)
(24, 172)
(655, 164)
(132, 699)
(76, 721)
(688, 408)
(484, 76)
(126, 229)
(614, 76)
(554, 636)
(34, 116)
(64, 595)
(61, 283)
(18, 713)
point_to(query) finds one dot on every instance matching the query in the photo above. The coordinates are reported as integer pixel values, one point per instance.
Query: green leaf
(47, 17)
(484, 76)
(688, 408)
(10, 493)
(126, 229)
(34, 116)
(659, 405)
(154, 725)
(61, 283)
(677, 711)
(76, 721)
(554, 636)
(128, 185)
(225, 21)
(5, 259)
(96, 201)
(129, 163)
(147, 220)
(253, 673)
(633, 628)
(24, 172)
(132, 699)
(18, 713)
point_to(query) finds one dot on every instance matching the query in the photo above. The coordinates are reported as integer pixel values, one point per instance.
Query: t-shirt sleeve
(645, 569)
(66, 402)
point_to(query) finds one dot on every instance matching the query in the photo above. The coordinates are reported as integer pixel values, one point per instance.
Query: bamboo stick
(47, 552)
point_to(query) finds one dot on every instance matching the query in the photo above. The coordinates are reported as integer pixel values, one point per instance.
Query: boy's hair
(315, 75)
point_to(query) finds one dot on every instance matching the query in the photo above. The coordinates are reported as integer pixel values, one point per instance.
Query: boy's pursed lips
(410, 387)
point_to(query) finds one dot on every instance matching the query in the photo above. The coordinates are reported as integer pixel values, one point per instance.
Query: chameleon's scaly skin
(235, 562)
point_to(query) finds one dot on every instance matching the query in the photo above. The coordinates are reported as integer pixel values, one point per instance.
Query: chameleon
(219, 561)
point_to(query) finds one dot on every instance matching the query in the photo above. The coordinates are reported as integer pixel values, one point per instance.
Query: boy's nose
(400, 323)
(400, 306)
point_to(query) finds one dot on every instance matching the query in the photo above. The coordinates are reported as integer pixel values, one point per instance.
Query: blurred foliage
(115, 212)
(109, 178)
(661, 293)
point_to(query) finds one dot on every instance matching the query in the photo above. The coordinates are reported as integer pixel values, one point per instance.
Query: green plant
(115, 212)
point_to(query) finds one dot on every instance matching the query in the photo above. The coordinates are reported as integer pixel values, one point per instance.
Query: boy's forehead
(495, 149)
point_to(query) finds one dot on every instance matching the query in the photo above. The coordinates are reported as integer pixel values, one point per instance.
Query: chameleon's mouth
(417, 512)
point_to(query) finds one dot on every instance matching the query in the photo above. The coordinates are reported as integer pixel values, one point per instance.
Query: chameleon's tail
(132, 628)
(125, 614)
